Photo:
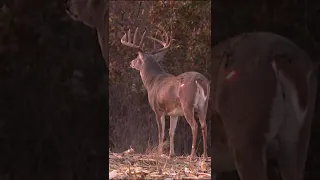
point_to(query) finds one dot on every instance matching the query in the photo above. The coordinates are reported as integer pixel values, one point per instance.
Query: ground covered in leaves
(129, 165)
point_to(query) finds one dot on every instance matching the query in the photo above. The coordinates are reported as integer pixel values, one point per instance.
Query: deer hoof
(164, 156)
(205, 156)
(191, 157)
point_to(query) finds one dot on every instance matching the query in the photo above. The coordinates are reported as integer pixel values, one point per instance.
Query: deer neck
(149, 74)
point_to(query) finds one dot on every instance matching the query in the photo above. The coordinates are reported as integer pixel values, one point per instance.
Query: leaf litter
(130, 165)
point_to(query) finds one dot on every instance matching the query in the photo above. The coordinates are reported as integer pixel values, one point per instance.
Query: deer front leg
(173, 125)
(161, 125)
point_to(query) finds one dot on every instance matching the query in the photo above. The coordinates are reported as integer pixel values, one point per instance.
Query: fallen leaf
(113, 174)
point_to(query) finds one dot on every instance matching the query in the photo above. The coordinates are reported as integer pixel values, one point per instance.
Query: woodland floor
(129, 165)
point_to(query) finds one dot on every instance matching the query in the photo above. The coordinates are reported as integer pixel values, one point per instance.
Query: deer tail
(203, 87)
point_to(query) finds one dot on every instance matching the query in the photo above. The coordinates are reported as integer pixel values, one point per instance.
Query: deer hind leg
(303, 146)
(173, 125)
(250, 161)
(304, 138)
(202, 112)
(161, 125)
(288, 157)
(288, 161)
(189, 115)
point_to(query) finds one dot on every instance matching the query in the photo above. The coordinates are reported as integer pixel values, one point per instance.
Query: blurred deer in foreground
(170, 95)
(264, 104)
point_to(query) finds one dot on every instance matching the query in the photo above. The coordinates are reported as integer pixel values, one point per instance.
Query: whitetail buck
(171, 95)
(264, 103)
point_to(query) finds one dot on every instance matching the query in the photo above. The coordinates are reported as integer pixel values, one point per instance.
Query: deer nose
(131, 64)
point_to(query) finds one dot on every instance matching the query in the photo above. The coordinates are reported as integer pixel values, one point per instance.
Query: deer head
(153, 56)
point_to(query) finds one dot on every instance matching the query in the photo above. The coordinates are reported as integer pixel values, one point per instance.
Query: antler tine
(129, 36)
(166, 42)
(159, 41)
(127, 41)
(124, 39)
(162, 38)
(135, 35)
(144, 33)
(165, 33)
(154, 41)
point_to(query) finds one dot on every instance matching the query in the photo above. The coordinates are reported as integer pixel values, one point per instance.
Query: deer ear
(140, 55)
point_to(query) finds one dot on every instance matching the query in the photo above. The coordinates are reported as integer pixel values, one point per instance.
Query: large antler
(127, 41)
(166, 40)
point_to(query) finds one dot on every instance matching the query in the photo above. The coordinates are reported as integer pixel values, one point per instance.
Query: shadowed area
(53, 95)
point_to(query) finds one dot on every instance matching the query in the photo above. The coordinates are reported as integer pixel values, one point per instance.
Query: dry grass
(129, 165)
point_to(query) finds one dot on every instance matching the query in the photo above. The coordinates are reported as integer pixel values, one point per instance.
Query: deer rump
(173, 92)
(266, 110)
